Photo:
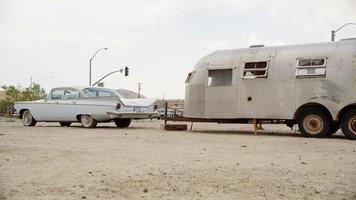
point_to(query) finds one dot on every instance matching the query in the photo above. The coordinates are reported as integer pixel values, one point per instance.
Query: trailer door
(266, 87)
(220, 92)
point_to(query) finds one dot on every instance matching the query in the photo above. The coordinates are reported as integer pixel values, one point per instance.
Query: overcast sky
(160, 40)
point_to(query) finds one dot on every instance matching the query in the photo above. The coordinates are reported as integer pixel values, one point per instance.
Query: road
(143, 162)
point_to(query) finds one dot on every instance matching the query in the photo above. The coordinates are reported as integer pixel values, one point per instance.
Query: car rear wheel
(314, 123)
(348, 124)
(122, 123)
(88, 121)
(65, 124)
(27, 119)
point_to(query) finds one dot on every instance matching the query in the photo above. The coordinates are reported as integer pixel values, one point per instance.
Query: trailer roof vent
(257, 45)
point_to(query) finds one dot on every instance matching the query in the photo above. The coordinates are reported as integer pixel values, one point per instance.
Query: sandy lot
(143, 162)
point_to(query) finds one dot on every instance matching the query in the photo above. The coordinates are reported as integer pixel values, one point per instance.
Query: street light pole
(91, 59)
(333, 32)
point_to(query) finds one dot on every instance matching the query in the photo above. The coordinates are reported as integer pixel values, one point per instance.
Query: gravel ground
(143, 162)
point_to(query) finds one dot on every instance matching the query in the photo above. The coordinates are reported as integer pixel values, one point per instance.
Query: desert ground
(212, 161)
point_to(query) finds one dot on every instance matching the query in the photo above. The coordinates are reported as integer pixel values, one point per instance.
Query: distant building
(171, 103)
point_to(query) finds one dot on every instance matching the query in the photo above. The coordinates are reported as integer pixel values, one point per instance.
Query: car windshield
(99, 92)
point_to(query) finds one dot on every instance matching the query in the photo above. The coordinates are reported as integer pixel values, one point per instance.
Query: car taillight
(118, 106)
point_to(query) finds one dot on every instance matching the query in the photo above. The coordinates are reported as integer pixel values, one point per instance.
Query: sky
(159, 40)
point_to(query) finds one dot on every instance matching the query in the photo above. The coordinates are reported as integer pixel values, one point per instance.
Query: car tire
(314, 123)
(348, 124)
(122, 123)
(27, 119)
(65, 124)
(88, 121)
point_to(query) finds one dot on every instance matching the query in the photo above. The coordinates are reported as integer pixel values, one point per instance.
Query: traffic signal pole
(120, 70)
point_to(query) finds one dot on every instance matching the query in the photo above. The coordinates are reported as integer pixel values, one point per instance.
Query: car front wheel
(27, 119)
(88, 121)
(122, 123)
(348, 124)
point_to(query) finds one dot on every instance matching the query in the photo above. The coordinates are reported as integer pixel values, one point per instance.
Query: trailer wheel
(65, 124)
(348, 124)
(122, 123)
(314, 123)
(27, 119)
(88, 121)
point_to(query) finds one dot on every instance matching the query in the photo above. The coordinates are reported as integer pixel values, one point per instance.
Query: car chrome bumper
(132, 115)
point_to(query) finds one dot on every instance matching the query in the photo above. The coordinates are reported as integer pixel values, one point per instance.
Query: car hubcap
(27, 118)
(313, 124)
(87, 120)
(352, 124)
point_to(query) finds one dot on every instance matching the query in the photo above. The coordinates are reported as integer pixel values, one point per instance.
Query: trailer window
(220, 77)
(255, 70)
(311, 62)
(189, 77)
(311, 67)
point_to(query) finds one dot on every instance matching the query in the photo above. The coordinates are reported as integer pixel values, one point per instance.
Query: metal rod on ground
(255, 126)
(165, 112)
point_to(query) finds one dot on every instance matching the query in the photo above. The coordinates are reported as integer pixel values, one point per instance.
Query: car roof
(81, 87)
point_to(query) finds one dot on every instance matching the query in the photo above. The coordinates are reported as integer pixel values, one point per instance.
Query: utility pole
(139, 90)
(163, 99)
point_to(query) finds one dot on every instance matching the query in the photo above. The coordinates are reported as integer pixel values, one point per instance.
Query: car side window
(89, 92)
(71, 94)
(57, 94)
(104, 94)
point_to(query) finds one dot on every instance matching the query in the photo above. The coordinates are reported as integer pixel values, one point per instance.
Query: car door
(68, 105)
(48, 111)
(61, 106)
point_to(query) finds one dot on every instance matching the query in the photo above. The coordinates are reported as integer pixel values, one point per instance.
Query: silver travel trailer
(312, 85)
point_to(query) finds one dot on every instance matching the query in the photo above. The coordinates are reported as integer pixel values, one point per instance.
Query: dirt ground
(143, 162)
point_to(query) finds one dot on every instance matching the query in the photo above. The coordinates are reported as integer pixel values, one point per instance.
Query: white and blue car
(87, 105)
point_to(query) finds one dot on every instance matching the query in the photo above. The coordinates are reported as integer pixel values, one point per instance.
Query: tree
(35, 92)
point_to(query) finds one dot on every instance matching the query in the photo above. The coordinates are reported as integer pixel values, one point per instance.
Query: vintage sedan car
(87, 105)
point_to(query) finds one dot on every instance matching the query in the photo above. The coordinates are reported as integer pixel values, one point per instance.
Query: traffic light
(126, 71)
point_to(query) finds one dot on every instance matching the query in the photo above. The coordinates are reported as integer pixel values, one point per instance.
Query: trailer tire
(314, 122)
(122, 123)
(88, 121)
(348, 124)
